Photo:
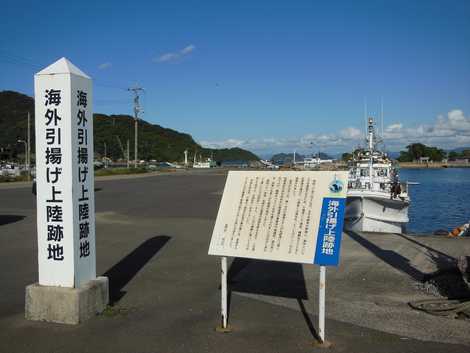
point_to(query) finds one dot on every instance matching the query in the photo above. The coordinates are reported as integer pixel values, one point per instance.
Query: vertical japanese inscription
(82, 176)
(54, 213)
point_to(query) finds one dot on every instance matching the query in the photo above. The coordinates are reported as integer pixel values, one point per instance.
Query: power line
(23, 61)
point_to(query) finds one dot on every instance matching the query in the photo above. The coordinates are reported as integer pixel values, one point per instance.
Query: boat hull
(376, 214)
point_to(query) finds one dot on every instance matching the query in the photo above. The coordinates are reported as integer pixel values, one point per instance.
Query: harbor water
(440, 201)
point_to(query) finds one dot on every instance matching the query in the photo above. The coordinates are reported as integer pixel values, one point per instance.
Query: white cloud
(305, 144)
(229, 143)
(167, 57)
(351, 133)
(395, 127)
(174, 56)
(190, 48)
(449, 131)
(104, 66)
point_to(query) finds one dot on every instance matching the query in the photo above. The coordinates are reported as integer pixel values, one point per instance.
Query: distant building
(464, 160)
(10, 170)
(235, 164)
(424, 160)
(255, 164)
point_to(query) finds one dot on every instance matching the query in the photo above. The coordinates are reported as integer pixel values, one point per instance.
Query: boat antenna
(365, 114)
(382, 115)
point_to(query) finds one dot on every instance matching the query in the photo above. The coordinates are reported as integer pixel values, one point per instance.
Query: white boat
(314, 162)
(209, 163)
(376, 200)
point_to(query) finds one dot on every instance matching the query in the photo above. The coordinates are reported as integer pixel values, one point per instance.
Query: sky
(269, 76)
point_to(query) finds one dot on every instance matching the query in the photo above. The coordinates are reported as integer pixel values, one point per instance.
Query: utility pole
(127, 153)
(25, 152)
(28, 152)
(137, 110)
(105, 159)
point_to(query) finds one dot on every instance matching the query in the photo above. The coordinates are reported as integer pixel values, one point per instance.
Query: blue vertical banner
(330, 231)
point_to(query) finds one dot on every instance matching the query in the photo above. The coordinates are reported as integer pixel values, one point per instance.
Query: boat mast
(382, 117)
(370, 130)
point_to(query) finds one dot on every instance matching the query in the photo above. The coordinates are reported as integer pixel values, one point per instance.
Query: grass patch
(112, 311)
(98, 172)
(120, 171)
(9, 179)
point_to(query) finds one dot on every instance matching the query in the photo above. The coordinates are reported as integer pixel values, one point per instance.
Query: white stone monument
(68, 290)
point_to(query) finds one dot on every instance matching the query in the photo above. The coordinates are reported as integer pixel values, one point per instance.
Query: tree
(155, 142)
(417, 150)
(405, 157)
(345, 157)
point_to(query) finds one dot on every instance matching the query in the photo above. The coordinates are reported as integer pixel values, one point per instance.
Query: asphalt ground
(152, 239)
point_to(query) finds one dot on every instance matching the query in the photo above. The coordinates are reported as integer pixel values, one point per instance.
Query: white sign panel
(289, 216)
(64, 175)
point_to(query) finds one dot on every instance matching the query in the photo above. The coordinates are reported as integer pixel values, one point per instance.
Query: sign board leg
(321, 308)
(321, 343)
(224, 291)
(223, 294)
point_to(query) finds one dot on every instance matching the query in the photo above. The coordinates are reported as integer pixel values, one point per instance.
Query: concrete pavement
(152, 240)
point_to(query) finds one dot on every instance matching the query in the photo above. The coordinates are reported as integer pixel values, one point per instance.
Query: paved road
(152, 239)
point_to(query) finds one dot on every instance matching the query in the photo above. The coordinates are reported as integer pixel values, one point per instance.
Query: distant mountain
(14, 109)
(460, 149)
(155, 141)
(286, 158)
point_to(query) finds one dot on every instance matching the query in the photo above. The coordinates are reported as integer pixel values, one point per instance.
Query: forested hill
(155, 142)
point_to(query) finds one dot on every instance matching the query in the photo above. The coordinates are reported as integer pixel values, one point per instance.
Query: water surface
(441, 201)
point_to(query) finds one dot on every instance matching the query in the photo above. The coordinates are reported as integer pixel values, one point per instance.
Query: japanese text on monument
(53, 154)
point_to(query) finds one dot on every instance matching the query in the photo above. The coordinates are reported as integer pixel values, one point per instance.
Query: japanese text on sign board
(330, 231)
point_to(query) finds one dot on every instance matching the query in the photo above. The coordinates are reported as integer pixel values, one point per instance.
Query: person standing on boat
(395, 190)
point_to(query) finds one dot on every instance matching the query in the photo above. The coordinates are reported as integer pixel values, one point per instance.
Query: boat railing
(358, 185)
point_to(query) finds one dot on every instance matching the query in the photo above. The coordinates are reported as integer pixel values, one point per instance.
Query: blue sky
(264, 75)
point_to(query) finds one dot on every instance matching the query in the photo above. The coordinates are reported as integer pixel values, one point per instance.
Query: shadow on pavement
(308, 320)
(437, 256)
(273, 278)
(447, 279)
(390, 257)
(121, 273)
(279, 279)
(7, 219)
